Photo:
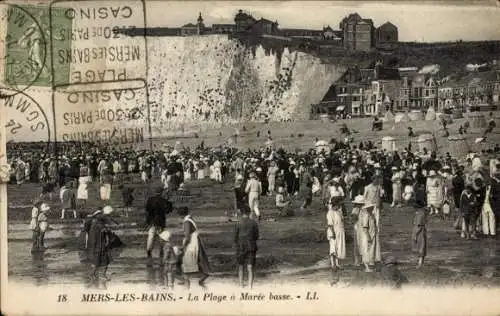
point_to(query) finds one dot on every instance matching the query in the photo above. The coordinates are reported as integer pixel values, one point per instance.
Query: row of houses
(374, 91)
(355, 33)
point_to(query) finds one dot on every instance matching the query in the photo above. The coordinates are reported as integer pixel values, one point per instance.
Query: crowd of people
(465, 191)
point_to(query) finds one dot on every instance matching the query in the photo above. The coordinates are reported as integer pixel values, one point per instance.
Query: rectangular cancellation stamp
(86, 45)
(113, 112)
(99, 71)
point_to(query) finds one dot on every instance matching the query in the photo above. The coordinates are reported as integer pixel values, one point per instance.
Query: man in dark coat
(246, 235)
(157, 208)
(98, 246)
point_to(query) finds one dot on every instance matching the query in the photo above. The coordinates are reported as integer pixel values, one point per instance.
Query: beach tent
(402, 118)
(430, 115)
(388, 117)
(476, 120)
(457, 146)
(389, 143)
(322, 145)
(416, 115)
(426, 141)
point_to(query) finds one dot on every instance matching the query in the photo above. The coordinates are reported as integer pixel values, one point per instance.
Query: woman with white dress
(335, 232)
(82, 192)
(435, 192)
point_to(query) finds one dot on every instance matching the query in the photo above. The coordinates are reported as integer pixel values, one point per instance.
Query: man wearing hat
(157, 208)
(254, 190)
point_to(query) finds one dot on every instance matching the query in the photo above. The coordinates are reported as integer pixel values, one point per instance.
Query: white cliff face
(214, 79)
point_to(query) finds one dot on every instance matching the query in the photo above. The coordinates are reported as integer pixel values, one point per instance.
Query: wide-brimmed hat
(359, 199)
(369, 205)
(165, 235)
(107, 210)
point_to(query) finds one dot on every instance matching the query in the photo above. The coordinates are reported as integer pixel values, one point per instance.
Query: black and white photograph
(249, 157)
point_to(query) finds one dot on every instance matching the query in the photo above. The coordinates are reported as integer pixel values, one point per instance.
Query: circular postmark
(25, 47)
(24, 122)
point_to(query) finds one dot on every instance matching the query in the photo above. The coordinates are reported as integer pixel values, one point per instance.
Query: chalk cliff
(216, 79)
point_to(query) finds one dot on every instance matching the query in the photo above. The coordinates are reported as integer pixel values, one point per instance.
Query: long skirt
(105, 191)
(201, 174)
(195, 258)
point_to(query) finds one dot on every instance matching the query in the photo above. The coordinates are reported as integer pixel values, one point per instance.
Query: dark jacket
(246, 235)
(98, 242)
(468, 202)
(157, 208)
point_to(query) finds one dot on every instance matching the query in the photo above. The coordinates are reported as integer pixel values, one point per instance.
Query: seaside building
(357, 32)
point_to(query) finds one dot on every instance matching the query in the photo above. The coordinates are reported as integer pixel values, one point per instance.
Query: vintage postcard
(249, 157)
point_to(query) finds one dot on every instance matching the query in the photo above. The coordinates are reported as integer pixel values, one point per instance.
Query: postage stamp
(249, 157)
(25, 44)
(87, 47)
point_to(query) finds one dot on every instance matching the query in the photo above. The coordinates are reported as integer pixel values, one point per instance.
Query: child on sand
(169, 259)
(282, 203)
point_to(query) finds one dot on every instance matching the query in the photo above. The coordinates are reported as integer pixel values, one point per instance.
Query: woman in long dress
(435, 192)
(397, 187)
(194, 259)
(82, 192)
(367, 238)
(357, 203)
(373, 196)
(335, 231)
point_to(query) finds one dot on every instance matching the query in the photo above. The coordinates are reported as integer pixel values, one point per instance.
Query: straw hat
(107, 210)
(165, 235)
(359, 199)
(368, 205)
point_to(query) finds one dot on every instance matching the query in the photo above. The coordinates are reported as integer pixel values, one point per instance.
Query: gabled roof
(264, 21)
(369, 21)
(328, 29)
(388, 25)
(189, 25)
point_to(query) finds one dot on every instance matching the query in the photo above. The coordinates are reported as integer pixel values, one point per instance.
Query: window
(426, 92)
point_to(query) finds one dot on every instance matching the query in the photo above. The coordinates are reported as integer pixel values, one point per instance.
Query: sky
(425, 22)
